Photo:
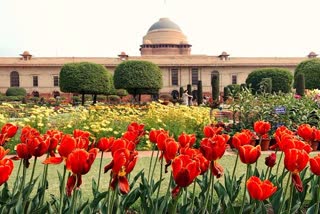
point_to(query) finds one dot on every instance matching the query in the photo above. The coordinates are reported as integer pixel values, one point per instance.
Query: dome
(164, 32)
(164, 23)
(25, 53)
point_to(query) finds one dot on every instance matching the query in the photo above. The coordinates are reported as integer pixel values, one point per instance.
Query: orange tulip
(315, 165)
(261, 127)
(249, 154)
(260, 190)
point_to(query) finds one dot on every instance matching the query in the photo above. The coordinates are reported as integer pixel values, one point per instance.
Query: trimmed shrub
(200, 95)
(311, 70)
(16, 91)
(138, 77)
(234, 90)
(300, 84)
(215, 87)
(181, 90)
(265, 85)
(281, 79)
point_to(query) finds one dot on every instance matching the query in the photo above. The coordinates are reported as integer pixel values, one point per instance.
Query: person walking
(186, 97)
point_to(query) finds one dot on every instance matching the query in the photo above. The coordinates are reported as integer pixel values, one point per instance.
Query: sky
(104, 28)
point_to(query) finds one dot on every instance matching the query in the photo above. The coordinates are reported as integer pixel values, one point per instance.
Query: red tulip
(216, 169)
(38, 146)
(315, 165)
(306, 132)
(271, 160)
(260, 190)
(210, 131)
(6, 167)
(195, 154)
(28, 132)
(9, 130)
(261, 127)
(186, 140)
(79, 163)
(105, 144)
(54, 139)
(214, 148)
(122, 164)
(3, 152)
(184, 171)
(249, 154)
(240, 139)
(67, 145)
(153, 135)
(295, 161)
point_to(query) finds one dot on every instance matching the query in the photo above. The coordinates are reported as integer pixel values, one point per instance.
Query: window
(174, 76)
(234, 79)
(35, 81)
(14, 79)
(55, 80)
(195, 76)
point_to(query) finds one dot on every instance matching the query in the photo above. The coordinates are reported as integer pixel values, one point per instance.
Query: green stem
(44, 181)
(254, 207)
(151, 163)
(185, 199)
(193, 195)
(154, 165)
(212, 188)
(245, 189)
(278, 167)
(291, 196)
(110, 207)
(318, 197)
(17, 176)
(74, 197)
(267, 171)
(24, 172)
(33, 169)
(235, 166)
(284, 195)
(62, 186)
(158, 191)
(208, 191)
(100, 170)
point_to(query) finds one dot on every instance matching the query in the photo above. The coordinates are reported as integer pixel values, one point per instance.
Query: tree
(85, 78)
(215, 87)
(281, 79)
(200, 95)
(300, 84)
(311, 70)
(138, 77)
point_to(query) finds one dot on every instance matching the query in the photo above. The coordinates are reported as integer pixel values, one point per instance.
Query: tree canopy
(85, 78)
(311, 70)
(138, 77)
(281, 79)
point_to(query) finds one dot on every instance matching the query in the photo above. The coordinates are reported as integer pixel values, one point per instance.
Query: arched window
(214, 73)
(14, 79)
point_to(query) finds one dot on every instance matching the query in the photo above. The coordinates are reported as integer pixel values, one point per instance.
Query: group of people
(188, 99)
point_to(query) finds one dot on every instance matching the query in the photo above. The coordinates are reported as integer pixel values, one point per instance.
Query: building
(164, 44)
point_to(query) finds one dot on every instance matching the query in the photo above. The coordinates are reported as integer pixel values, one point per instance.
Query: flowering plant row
(198, 183)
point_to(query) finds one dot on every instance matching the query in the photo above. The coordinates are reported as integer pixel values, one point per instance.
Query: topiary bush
(215, 87)
(16, 91)
(300, 84)
(281, 79)
(311, 70)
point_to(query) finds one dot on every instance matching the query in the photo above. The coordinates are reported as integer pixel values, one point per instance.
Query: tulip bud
(271, 160)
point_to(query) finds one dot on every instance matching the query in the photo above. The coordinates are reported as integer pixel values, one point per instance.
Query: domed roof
(164, 23)
(165, 32)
